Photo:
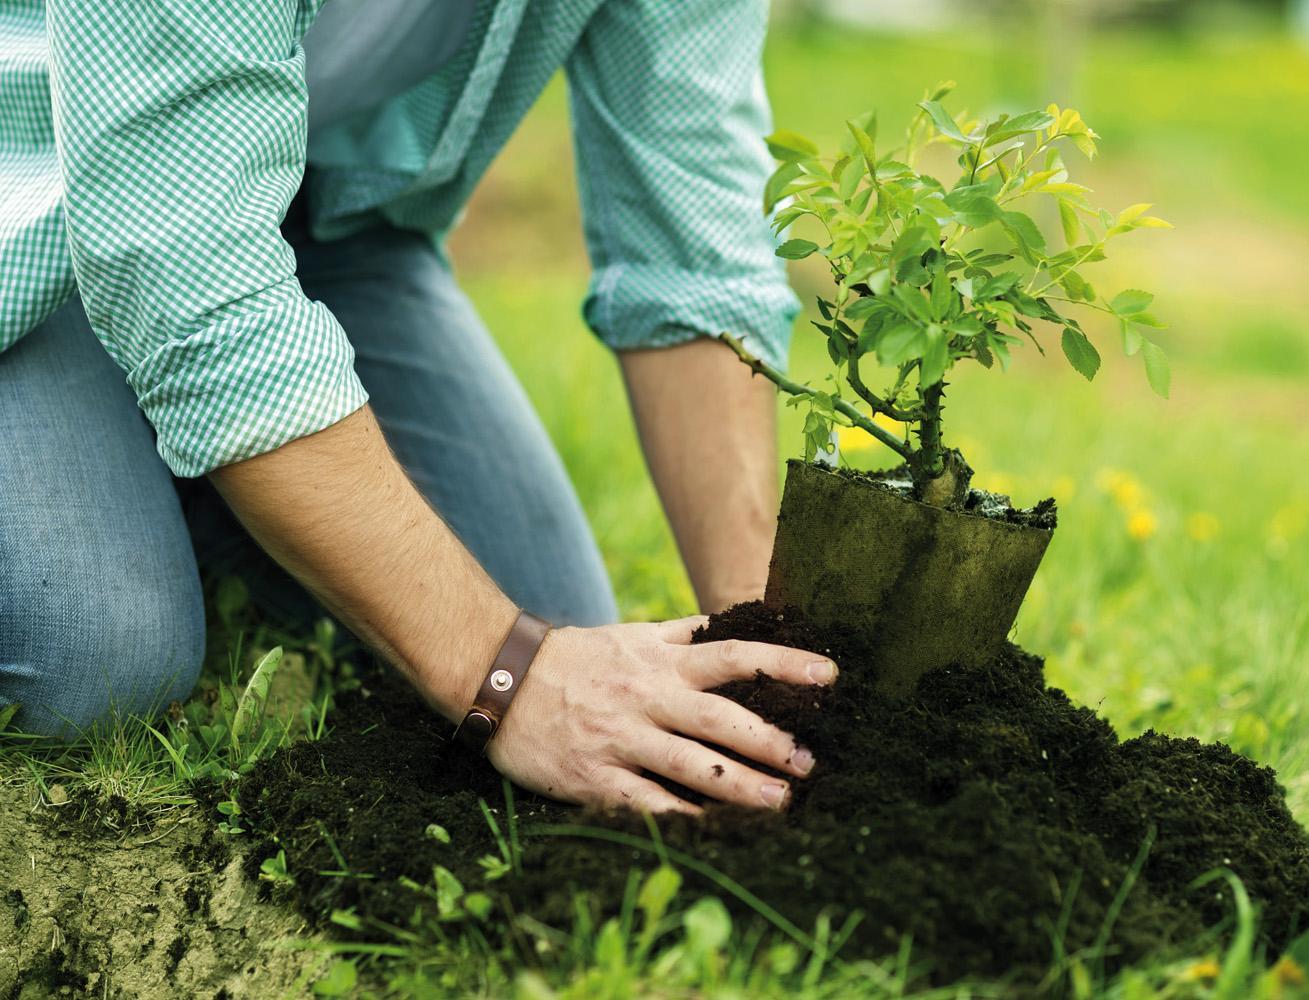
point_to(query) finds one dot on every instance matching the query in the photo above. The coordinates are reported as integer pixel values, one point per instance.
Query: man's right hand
(602, 705)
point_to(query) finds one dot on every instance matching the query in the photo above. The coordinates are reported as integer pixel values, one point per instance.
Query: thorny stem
(761, 367)
(929, 432)
(878, 404)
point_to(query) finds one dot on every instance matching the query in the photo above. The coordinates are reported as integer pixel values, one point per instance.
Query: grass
(1172, 595)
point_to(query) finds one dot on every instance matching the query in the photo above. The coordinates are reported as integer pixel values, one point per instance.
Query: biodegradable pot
(927, 587)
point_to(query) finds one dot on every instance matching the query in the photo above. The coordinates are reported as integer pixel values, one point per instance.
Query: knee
(74, 660)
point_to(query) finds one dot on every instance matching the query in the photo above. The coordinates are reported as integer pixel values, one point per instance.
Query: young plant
(930, 273)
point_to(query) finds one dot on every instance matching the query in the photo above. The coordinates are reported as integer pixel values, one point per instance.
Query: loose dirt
(987, 817)
(164, 912)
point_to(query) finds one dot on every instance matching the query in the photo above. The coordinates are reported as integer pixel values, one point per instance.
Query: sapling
(928, 273)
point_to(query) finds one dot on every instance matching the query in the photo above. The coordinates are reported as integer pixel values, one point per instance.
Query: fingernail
(774, 796)
(822, 671)
(802, 760)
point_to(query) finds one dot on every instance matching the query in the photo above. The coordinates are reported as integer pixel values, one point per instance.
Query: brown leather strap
(502, 682)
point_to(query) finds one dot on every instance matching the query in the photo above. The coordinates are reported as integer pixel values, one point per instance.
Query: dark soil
(980, 817)
(979, 503)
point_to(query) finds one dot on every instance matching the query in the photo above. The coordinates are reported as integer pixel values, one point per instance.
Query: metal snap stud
(502, 680)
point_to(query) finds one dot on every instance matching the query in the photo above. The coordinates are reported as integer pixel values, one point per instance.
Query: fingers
(725, 723)
(714, 663)
(707, 771)
(679, 630)
(631, 791)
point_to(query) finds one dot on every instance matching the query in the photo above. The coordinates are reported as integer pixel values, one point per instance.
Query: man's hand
(602, 704)
(599, 705)
(709, 431)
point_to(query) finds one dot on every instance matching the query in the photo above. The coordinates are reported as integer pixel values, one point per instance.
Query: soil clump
(987, 817)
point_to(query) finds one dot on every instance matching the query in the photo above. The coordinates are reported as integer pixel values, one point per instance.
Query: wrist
(457, 660)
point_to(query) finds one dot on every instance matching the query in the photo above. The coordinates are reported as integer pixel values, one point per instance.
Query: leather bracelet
(502, 682)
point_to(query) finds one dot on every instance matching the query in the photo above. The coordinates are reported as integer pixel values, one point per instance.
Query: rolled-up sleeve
(180, 129)
(669, 112)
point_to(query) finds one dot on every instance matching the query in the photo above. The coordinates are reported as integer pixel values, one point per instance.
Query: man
(149, 153)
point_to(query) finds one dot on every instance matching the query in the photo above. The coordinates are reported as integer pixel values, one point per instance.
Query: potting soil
(987, 819)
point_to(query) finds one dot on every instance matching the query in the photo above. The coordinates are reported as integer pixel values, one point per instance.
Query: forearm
(710, 440)
(601, 707)
(337, 510)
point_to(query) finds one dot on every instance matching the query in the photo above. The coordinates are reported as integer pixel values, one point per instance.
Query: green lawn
(1173, 595)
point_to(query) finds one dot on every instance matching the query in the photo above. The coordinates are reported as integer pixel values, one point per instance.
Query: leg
(460, 422)
(100, 605)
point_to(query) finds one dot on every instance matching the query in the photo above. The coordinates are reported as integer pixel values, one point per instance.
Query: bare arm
(710, 437)
(600, 704)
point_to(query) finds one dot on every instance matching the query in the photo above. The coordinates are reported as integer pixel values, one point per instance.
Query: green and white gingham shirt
(149, 150)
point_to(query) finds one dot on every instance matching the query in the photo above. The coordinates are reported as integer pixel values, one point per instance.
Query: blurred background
(1176, 592)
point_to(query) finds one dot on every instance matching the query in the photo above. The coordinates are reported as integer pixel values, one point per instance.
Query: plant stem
(761, 367)
(929, 432)
(878, 404)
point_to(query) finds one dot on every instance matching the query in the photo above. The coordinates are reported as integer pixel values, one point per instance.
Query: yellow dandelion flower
(1206, 968)
(888, 424)
(1106, 478)
(1127, 493)
(1289, 523)
(1141, 525)
(1064, 488)
(973, 449)
(996, 482)
(852, 439)
(1202, 526)
(1288, 972)
(1125, 490)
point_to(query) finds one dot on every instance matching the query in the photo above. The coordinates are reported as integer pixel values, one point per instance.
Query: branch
(760, 367)
(878, 404)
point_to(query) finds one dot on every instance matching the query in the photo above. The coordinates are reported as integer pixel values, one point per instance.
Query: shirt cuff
(254, 380)
(645, 305)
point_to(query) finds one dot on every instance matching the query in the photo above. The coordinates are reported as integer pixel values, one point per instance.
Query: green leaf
(974, 205)
(787, 145)
(911, 244)
(942, 296)
(941, 90)
(862, 309)
(889, 170)
(1027, 234)
(1157, 370)
(1071, 223)
(867, 146)
(1030, 121)
(1081, 353)
(936, 356)
(657, 892)
(1131, 302)
(708, 926)
(340, 980)
(1132, 339)
(255, 694)
(945, 124)
(777, 183)
(796, 249)
(479, 904)
(899, 343)
(788, 215)
(849, 182)
(7, 714)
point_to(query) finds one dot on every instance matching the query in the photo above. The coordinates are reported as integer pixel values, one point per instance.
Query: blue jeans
(101, 549)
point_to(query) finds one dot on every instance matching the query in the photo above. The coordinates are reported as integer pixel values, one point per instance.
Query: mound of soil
(987, 817)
